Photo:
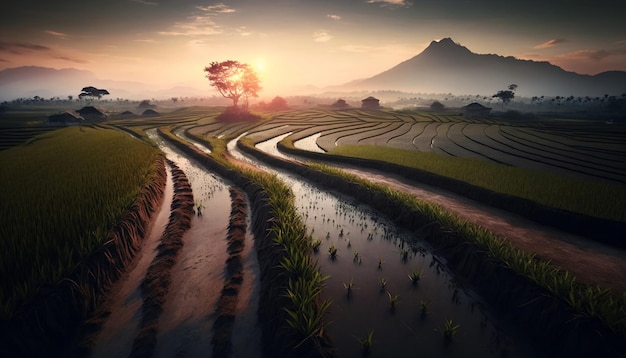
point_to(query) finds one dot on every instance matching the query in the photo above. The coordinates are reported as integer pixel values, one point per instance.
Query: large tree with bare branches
(233, 80)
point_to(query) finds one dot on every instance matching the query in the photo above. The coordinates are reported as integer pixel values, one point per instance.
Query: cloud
(550, 43)
(25, 49)
(321, 36)
(595, 55)
(333, 17)
(196, 26)
(145, 2)
(69, 59)
(200, 24)
(216, 9)
(390, 3)
(20, 48)
(243, 31)
(60, 35)
(149, 41)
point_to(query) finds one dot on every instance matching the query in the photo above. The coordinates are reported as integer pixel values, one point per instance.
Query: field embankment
(91, 193)
(279, 234)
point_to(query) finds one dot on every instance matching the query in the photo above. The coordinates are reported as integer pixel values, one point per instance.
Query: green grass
(589, 197)
(59, 196)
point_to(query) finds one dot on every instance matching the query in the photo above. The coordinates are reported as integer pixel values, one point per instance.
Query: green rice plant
(349, 287)
(424, 306)
(448, 329)
(332, 251)
(380, 263)
(75, 184)
(393, 300)
(315, 245)
(589, 197)
(405, 254)
(415, 276)
(357, 257)
(367, 342)
(382, 283)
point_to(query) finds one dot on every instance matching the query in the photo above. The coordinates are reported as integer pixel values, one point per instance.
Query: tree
(278, 104)
(233, 80)
(93, 92)
(506, 95)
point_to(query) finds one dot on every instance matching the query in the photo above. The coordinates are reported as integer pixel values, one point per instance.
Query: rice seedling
(332, 252)
(424, 306)
(380, 263)
(415, 276)
(349, 287)
(448, 329)
(357, 257)
(393, 300)
(367, 342)
(315, 245)
(382, 283)
(405, 254)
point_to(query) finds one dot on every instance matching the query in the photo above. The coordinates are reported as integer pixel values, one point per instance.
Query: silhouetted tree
(506, 95)
(93, 92)
(233, 80)
(278, 103)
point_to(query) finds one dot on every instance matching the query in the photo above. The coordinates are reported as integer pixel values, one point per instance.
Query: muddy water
(309, 143)
(364, 241)
(185, 327)
(116, 336)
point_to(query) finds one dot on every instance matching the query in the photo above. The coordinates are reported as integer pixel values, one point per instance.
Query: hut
(92, 113)
(67, 118)
(150, 113)
(340, 103)
(370, 103)
(476, 110)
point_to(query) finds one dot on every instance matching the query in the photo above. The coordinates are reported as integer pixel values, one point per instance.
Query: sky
(294, 44)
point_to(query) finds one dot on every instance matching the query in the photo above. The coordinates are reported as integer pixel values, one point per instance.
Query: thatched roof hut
(370, 103)
(150, 113)
(476, 110)
(92, 113)
(66, 118)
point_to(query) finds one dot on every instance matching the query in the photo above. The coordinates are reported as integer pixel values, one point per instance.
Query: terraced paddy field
(331, 263)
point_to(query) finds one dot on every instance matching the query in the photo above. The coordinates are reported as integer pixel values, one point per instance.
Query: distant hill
(30, 81)
(447, 67)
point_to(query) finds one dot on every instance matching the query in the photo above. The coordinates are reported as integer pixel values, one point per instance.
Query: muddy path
(591, 262)
(181, 320)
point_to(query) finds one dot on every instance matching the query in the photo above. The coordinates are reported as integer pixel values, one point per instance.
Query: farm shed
(340, 103)
(370, 103)
(476, 110)
(67, 118)
(150, 113)
(92, 113)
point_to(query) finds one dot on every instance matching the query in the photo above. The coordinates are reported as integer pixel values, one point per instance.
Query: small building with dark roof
(92, 113)
(150, 113)
(476, 110)
(67, 118)
(370, 103)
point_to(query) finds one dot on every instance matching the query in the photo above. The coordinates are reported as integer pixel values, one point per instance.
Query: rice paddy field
(374, 284)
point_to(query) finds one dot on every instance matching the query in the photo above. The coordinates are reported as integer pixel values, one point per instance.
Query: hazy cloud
(195, 26)
(333, 17)
(321, 36)
(57, 34)
(69, 59)
(145, 2)
(243, 31)
(595, 55)
(200, 24)
(21, 47)
(394, 3)
(216, 9)
(550, 43)
(150, 41)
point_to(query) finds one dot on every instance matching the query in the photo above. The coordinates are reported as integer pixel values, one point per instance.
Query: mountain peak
(446, 46)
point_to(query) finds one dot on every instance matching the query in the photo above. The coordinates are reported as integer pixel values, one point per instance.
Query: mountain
(30, 81)
(447, 67)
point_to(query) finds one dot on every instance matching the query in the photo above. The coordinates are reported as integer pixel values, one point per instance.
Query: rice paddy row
(60, 196)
